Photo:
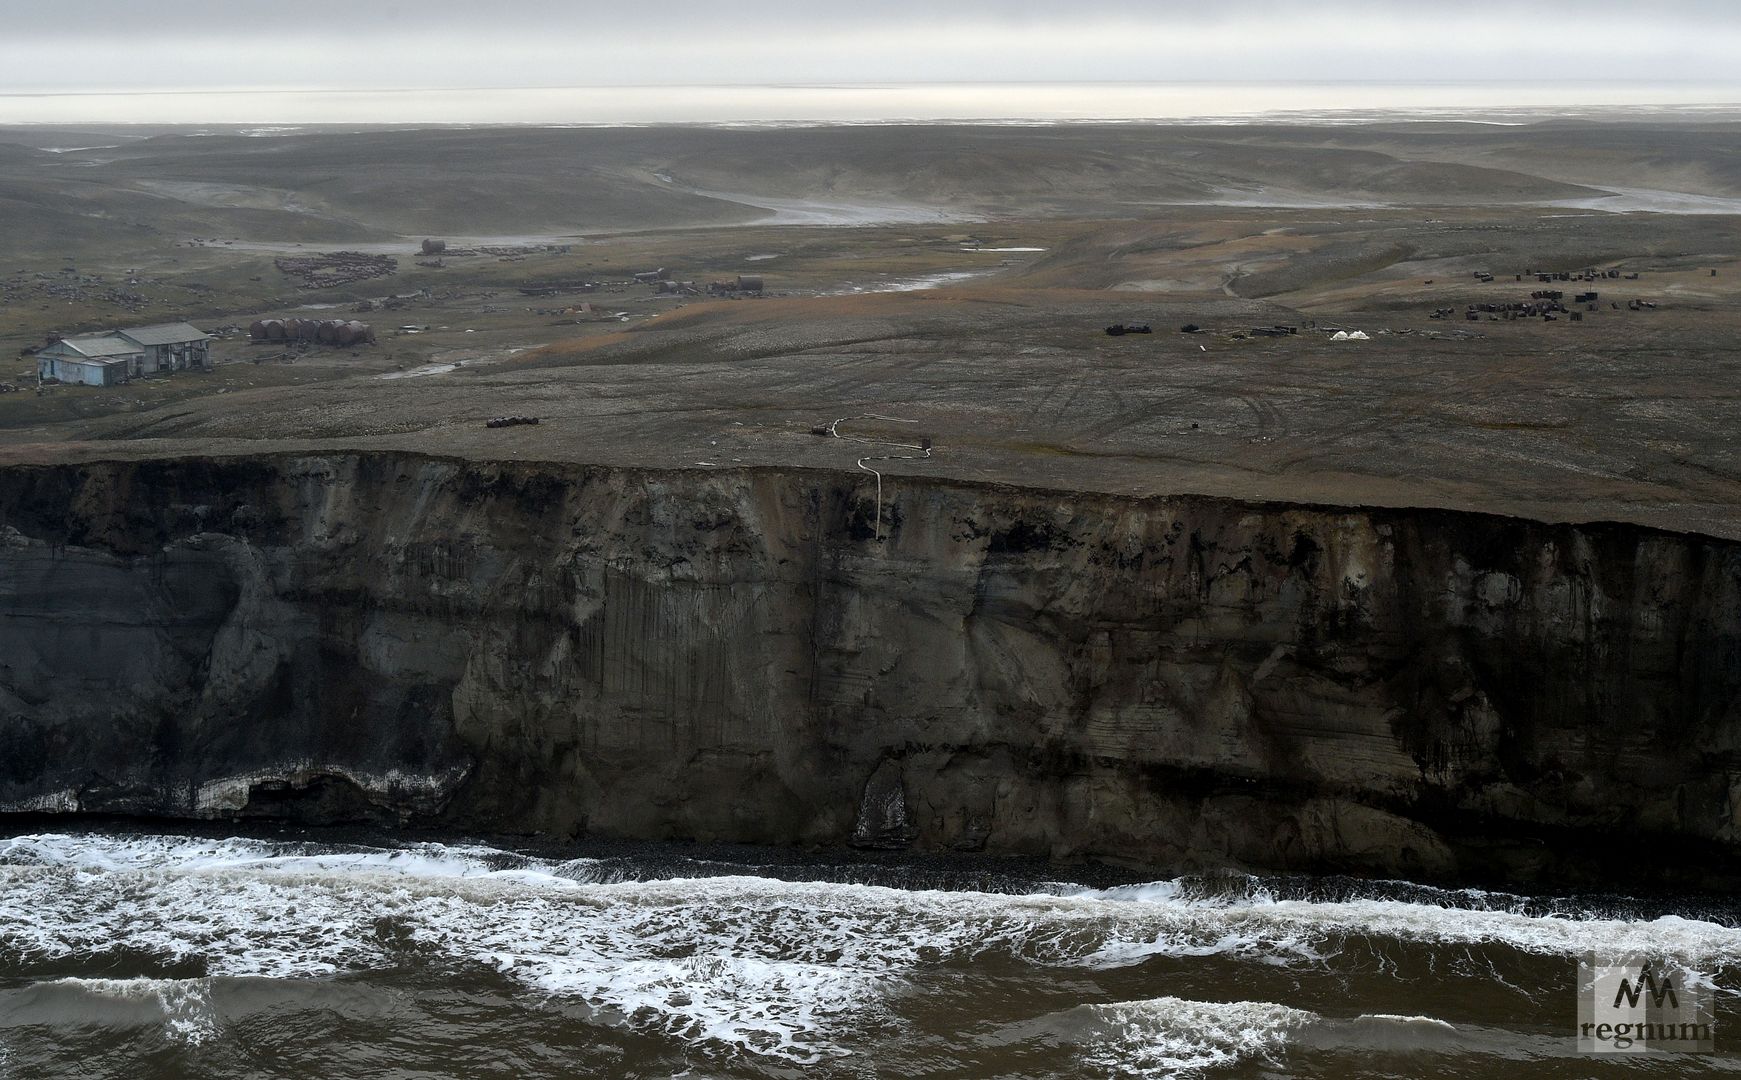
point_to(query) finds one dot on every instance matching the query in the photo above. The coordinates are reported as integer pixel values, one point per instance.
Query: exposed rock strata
(1176, 683)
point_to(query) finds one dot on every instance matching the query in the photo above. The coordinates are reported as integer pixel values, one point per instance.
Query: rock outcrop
(1174, 684)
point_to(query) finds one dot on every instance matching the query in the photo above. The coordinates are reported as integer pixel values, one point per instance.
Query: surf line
(923, 446)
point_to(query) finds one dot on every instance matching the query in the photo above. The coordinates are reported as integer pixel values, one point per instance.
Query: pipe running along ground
(924, 454)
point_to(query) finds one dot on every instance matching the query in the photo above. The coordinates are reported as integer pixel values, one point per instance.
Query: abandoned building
(114, 356)
(88, 360)
(171, 347)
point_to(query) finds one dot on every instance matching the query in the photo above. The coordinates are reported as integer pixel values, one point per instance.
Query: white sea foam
(1463, 918)
(1181, 1039)
(1172, 1037)
(1391, 1018)
(771, 967)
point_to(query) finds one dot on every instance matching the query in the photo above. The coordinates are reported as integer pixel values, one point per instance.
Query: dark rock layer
(1173, 684)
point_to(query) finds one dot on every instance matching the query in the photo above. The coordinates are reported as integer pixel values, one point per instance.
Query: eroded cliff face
(1177, 684)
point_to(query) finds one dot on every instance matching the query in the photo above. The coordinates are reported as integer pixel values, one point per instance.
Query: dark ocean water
(130, 955)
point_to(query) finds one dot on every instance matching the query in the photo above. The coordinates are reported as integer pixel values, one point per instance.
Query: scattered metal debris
(332, 268)
(340, 332)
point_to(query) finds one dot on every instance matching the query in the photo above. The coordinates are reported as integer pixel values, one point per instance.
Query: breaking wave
(181, 1007)
(727, 958)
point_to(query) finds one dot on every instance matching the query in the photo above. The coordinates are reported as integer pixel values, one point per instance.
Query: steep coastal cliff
(731, 655)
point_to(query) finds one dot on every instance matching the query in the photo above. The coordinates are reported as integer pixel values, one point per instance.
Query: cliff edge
(1172, 683)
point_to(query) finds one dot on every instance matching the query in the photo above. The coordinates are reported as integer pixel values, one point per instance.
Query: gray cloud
(100, 17)
(118, 45)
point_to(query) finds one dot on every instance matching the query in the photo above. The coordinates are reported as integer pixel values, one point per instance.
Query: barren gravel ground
(1624, 414)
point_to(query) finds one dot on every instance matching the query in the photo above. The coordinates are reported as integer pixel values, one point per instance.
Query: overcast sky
(129, 45)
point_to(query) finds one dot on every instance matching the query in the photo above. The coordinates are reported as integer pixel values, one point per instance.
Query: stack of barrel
(341, 332)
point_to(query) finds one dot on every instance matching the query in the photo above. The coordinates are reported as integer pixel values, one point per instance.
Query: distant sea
(1319, 102)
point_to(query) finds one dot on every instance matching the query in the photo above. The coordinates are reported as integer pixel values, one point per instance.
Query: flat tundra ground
(964, 286)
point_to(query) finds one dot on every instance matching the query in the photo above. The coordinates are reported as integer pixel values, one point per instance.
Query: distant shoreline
(1028, 104)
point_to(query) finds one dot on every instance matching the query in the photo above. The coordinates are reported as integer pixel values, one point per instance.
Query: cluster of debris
(286, 357)
(1275, 331)
(510, 421)
(744, 285)
(575, 311)
(332, 268)
(557, 288)
(390, 303)
(1537, 307)
(1548, 277)
(340, 332)
(73, 287)
(1265, 331)
(1545, 304)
